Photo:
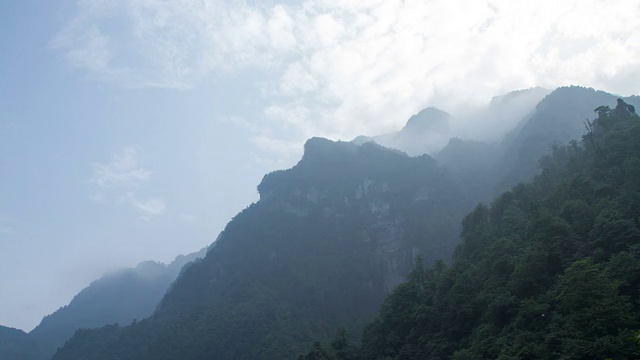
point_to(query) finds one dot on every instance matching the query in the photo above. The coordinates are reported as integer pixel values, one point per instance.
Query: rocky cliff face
(328, 239)
(345, 181)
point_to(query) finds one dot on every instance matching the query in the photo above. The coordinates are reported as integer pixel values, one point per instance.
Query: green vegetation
(550, 270)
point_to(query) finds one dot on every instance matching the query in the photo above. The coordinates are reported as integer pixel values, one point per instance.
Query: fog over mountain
(136, 130)
(428, 131)
(335, 234)
(119, 297)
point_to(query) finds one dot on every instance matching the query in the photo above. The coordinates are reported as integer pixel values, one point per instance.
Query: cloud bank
(120, 180)
(340, 69)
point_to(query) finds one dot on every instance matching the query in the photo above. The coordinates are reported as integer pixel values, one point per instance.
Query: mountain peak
(329, 162)
(320, 147)
(428, 120)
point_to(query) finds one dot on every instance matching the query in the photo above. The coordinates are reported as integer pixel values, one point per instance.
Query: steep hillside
(557, 119)
(119, 297)
(494, 168)
(473, 166)
(17, 345)
(328, 240)
(551, 270)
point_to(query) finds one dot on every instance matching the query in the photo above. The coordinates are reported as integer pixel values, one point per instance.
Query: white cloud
(122, 171)
(120, 179)
(149, 207)
(352, 67)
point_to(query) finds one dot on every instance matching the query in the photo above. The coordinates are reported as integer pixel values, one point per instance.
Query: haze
(134, 130)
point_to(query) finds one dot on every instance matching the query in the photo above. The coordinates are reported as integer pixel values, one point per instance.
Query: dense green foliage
(325, 244)
(550, 270)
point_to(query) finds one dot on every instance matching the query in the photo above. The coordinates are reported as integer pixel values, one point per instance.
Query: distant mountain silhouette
(121, 297)
(423, 132)
(17, 345)
(428, 131)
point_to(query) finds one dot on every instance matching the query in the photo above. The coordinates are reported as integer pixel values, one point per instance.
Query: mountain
(428, 131)
(557, 119)
(503, 114)
(17, 345)
(332, 236)
(326, 242)
(423, 133)
(486, 163)
(118, 297)
(473, 166)
(551, 270)
(492, 168)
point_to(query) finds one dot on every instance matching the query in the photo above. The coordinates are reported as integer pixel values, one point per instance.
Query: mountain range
(328, 240)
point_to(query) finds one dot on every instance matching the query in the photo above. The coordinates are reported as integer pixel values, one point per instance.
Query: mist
(429, 131)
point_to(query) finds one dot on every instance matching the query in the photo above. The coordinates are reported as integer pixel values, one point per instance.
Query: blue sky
(134, 130)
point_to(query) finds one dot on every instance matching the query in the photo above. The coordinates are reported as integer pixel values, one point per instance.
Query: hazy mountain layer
(490, 169)
(118, 297)
(428, 131)
(557, 119)
(423, 133)
(17, 345)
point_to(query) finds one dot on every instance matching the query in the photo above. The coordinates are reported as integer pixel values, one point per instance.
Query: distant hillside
(328, 240)
(423, 133)
(557, 119)
(428, 131)
(119, 297)
(473, 166)
(17, 345)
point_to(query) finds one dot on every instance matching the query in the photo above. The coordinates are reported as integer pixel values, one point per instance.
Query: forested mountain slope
(328, 240)
(551, 270)
(557, 119)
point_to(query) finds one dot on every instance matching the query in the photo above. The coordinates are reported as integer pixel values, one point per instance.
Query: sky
(135, 130)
